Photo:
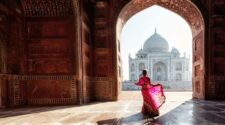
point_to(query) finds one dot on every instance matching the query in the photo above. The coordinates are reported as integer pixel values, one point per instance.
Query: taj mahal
(164, 66)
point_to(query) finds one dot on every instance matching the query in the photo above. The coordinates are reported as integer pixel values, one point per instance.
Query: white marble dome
(156, 43)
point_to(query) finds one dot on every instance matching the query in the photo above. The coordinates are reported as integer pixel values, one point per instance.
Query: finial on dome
(155, 30)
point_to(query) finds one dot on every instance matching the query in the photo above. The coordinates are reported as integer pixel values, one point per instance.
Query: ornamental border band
(153, 96)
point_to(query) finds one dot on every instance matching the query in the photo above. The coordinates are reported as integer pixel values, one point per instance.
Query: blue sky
(142, 25)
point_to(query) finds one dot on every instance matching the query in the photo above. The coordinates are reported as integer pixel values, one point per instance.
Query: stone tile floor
(179, 109)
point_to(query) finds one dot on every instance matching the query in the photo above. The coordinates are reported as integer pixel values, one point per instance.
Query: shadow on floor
(109, 122)
(130, 120)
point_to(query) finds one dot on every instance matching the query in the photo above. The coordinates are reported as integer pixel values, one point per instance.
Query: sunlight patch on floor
(126, 109)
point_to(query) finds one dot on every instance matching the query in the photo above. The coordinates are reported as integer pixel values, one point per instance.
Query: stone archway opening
(190, 13)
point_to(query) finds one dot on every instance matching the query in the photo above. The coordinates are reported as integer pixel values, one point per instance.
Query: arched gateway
(192, 15)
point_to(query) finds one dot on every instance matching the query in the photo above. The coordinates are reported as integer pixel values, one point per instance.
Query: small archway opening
(160, 72)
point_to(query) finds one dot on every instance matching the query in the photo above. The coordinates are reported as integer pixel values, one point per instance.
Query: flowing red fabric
(153, 96)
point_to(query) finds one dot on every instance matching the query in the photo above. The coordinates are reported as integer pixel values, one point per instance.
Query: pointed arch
(191, 14)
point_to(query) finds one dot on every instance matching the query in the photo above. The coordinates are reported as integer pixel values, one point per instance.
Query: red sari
(153, 96)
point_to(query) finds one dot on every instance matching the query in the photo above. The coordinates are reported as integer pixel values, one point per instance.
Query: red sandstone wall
(216, 86)
(104, 62)
(50, 54)
(50, 46)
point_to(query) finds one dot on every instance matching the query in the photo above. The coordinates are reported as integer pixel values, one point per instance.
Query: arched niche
(160, 71)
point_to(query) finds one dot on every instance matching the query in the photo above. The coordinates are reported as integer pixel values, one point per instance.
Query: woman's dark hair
(144, 72)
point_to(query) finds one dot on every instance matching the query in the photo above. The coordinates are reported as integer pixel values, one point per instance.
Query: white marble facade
(161, 64)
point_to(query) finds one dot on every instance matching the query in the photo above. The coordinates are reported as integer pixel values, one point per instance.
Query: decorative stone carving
(103, 88)
(197, 71)
(182, 7)
(67, 94)
(46, 8)
(197, 86)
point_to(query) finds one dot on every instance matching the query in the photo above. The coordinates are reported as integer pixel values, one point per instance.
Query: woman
(153, 96)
